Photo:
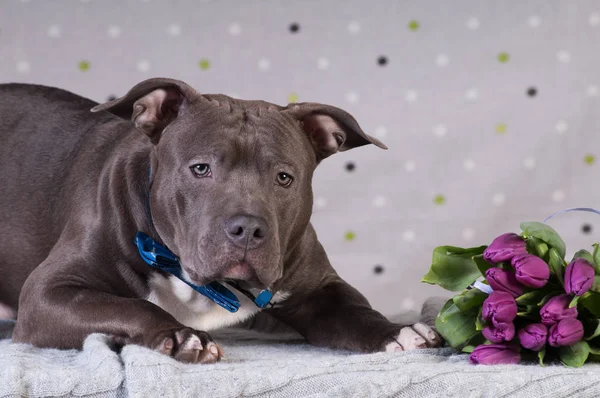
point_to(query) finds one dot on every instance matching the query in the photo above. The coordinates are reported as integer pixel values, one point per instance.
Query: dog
(154, 217)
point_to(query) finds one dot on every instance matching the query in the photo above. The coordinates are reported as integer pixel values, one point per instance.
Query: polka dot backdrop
(491, 113)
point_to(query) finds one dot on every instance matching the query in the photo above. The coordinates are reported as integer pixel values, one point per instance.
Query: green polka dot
(413, 25)
(503, 58)
(350, 236)
(84, 66)
(501, 128)
(439, 200)
(293, 97)
(204, 64)
(589, 159)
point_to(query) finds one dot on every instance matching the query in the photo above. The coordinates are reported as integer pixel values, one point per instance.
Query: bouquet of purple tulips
(520, 299)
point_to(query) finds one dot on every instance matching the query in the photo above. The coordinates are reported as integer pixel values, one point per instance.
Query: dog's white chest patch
(193, 309)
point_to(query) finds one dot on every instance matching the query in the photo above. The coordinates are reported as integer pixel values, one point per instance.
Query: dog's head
(231, 179)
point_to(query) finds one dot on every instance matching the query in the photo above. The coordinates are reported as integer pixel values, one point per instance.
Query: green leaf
(468, 349)
(546, 233)
(537, 247)
(594, 350)
(482, 265)
(585, 255)
(591, 301)
(596, 285)
(573, 302)
(469, 299)
(596, 257)
(532, 297)
(479, 321)
(556, 263)
(541, 355)
(575, 355)
(453, 268)
(592, 328)
(455, 326)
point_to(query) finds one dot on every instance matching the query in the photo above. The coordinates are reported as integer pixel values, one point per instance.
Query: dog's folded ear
(151, 104)
(330, 129)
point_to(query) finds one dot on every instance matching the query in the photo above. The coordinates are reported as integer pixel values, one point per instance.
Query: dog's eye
(284, 179)
(201, 170)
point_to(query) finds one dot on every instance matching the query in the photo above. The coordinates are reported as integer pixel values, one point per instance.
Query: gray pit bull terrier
(225, 184)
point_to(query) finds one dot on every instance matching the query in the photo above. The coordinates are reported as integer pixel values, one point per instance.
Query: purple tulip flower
(499, 307)
(579, 277)
(565, 333)
(503, 280)
(499, 333)
(530, 270)
(495, 354)
(533, 336)
(557, 309)
(504, 248)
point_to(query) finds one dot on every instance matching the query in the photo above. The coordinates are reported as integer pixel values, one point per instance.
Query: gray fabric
(277, 369)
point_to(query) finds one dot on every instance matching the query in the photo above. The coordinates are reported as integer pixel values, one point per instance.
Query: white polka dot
(264, 64)
(408, 304)
(558, 195)
(234, 29)
(442, 60)
(469, 164)
(592, 90)
(563, 56)
(352, 97)
(320, 203)
(323, 63)
(561, 127)
(113, 31)
(54, 31)
(379, 201)
(529, 163)
(410, 96)
(410, 166)
(472, 94)
(143, 65)
(440, 130)
(380, 131)
(498, 199)
(468, 234)
(534, 21)
(473, 23)
(408, 235)
(174, 30)
(354, 27)
(594, 19)
(23, 67)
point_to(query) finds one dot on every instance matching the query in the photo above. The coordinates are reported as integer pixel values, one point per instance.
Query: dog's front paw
(414, 337)
(187, 345)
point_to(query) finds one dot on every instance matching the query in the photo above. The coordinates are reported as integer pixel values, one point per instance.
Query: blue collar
(161, 258)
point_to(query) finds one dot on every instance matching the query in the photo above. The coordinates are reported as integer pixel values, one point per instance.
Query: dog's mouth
(241, 273)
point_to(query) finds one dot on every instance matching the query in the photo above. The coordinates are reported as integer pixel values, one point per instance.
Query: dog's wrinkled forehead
(156, 105)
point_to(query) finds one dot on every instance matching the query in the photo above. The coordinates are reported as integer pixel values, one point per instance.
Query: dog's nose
(246, 231)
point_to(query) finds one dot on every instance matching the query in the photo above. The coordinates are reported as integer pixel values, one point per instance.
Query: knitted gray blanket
(259, 368)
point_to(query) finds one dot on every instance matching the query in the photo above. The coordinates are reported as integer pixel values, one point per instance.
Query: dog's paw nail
(213, 349)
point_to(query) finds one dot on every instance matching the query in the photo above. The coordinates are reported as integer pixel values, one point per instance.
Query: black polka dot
(382, 60)
(111, 97)
(378, 269)
(586, 228)
(532, 91)
(350, 166)
(294, 28)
